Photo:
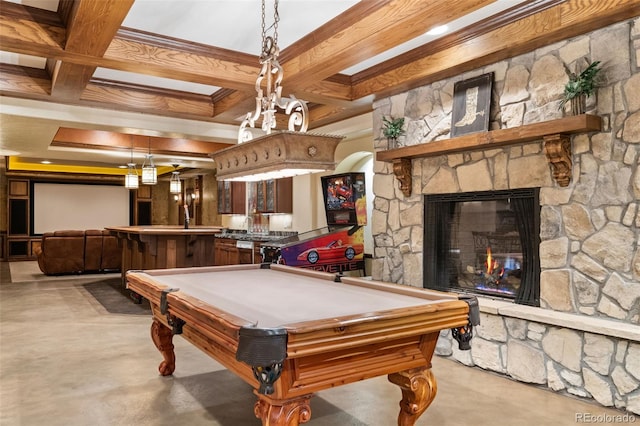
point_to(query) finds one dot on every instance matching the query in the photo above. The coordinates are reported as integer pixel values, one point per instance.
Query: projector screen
(62, 206)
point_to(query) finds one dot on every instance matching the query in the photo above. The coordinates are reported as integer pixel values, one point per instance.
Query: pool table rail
(340, 333)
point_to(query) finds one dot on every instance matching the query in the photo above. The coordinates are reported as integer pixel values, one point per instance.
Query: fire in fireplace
(484, 243)
(500, 273)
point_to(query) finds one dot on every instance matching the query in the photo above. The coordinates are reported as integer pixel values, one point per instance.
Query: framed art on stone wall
(471, 105)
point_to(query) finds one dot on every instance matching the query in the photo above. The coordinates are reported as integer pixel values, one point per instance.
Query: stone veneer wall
(590, 230)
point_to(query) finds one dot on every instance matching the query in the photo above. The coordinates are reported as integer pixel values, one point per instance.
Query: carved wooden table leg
(163, 339)
(418, 391)
(282, 412)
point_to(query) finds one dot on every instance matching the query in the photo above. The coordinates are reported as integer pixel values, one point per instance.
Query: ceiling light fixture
(175, 185)
(277, 153)
(131, 178)
(149, 171)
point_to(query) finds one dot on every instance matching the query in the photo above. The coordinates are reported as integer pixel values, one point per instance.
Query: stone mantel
(554, 133)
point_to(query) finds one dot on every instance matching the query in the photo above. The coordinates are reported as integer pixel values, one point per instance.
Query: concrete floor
(65, 360)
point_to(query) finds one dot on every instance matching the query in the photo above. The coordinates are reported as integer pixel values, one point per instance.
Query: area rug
(115, 299)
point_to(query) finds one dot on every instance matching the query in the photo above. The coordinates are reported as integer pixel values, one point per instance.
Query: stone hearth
(584, 339)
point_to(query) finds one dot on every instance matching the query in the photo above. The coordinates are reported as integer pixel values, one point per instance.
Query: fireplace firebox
(484, 243)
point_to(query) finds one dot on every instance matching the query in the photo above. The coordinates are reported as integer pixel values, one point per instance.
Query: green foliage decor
(392, 127)
(581, 84)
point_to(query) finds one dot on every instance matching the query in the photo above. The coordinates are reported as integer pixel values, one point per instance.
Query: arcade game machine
(337, 248)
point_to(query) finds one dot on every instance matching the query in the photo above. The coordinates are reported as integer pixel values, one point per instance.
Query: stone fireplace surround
(584, 340)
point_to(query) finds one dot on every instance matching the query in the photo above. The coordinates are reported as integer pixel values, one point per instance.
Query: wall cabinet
(272, 196)
(231, 197)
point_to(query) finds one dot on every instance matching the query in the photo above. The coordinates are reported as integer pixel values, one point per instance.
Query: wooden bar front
(165, 247)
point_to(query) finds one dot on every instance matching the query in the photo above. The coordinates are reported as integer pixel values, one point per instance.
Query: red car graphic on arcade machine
(323, 249)
(335, 251)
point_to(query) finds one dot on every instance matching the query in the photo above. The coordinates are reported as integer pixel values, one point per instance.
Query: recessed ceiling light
(440, 29)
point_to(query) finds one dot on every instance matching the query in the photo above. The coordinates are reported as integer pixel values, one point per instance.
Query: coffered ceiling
(79, 77)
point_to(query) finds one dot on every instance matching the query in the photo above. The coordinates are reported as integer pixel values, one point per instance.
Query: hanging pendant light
(149, 171)
(131, 178)
(274, 154)
(269, 98)
(175, 185)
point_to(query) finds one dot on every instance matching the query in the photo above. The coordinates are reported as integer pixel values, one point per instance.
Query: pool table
(290, 332)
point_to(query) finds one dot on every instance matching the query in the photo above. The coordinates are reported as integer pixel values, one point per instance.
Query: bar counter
(163, 247)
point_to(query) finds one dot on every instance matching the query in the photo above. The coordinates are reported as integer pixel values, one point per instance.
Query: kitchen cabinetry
(231, 197)
(272, 196)
(225, 252)
(248, 252)
(231, 251)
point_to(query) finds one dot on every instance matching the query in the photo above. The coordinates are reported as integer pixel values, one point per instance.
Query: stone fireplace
(582, 335)
(484, 243)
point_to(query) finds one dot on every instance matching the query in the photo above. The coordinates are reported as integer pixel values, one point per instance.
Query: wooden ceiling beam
(567, 19)
(30, 31)
(329, 91)
(322, 115)
(90, 28)
(103, 139)
(162, 102)
(163, 57)
(136, 51)
(25, 82)
(367, 35)
(310, 65)
(33, 83)
(229, 105)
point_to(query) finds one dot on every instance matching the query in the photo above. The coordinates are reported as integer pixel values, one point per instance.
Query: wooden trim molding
(554, 133)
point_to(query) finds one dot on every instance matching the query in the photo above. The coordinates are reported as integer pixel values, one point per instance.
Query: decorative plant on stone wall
(579, 87)
(392, 129)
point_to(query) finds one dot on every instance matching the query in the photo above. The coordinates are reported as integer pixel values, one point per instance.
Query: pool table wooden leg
(290, 412)
(162, 337)
(418, 391)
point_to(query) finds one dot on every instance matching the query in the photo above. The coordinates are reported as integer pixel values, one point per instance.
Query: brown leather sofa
(79, 252)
